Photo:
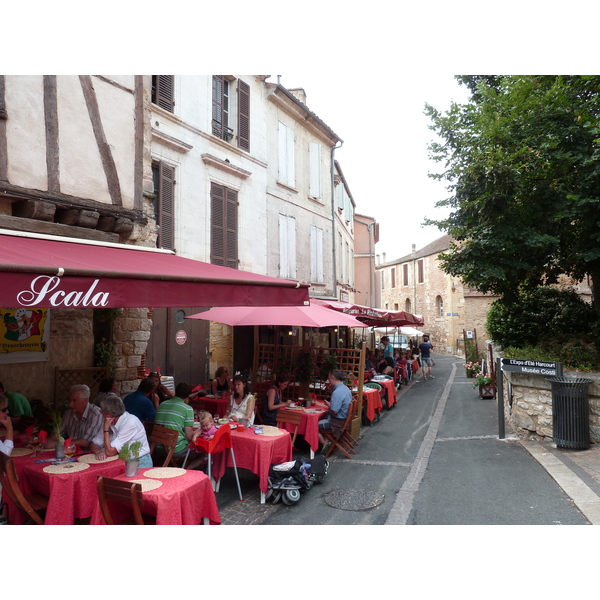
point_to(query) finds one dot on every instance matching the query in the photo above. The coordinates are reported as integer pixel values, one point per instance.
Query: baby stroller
(287, 480)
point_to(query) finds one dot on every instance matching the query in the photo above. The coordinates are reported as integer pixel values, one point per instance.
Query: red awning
(48, 273)
(373, 317)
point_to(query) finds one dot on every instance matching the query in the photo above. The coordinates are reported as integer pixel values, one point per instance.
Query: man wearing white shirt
(119, 428)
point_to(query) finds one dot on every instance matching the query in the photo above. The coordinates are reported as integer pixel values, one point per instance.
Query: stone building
(366, 235)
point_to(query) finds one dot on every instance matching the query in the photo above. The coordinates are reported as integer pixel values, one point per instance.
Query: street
(434, 459)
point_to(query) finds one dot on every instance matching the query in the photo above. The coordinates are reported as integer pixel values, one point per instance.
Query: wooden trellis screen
(65, 378)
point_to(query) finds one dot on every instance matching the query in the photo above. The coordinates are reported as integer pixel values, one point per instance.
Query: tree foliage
(522, 162)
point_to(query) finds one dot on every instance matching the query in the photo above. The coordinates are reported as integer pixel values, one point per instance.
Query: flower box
(487, 391)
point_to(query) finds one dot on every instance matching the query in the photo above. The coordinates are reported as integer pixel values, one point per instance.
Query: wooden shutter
(166, 220)
(393, 277)
(314, 151)
(223, 240)
(218, 83)
(316, 254)
(243, 115)
(405, 274)
(420, 268)
(164, 95)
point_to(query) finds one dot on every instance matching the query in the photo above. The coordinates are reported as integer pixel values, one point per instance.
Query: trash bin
(570, 412)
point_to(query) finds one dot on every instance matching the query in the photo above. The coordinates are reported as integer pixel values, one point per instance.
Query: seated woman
(242, 401)
(7, 445)
(108, 386)
(161, 392)
(222, 383)
(385, 369)
(119, 427)
(273, 402)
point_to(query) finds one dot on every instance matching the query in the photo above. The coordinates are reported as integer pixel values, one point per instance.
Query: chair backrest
(290, 416)
(10, 484)
(373, 385)
(124, 492)
(165, 436)
(220, 442)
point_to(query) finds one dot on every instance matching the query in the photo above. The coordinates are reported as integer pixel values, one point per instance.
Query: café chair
(123, 492)
(290, 416)
(34, 505)
(167, 438)
(220, 442)
(342, 441)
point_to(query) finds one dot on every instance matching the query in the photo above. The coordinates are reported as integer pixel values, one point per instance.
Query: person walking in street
(426, 361)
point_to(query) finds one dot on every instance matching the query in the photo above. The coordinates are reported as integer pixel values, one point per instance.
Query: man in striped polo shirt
(174, 413)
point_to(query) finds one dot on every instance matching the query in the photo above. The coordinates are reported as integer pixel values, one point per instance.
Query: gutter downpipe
(333, 219)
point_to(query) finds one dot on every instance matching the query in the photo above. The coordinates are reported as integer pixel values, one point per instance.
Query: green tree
(522, 162)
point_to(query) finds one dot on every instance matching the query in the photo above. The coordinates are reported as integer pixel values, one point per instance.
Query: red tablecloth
(183, 500)
(373, 402)
(215, 406)
(390, 386)
(256, 453)
(72, 496)
(309, 425)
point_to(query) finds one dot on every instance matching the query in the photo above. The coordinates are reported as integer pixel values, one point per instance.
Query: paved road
(433, 459)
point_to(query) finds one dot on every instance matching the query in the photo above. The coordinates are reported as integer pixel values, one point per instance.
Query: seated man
(138, 403)
(119, 427)
(175, 413)
(82, 420)
(17, 404)
(341, 396)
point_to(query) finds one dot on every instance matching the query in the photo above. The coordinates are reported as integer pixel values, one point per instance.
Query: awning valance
(374, 317)
(48, 273)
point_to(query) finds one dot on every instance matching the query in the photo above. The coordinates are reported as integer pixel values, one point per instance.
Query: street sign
(181, 337)
(531, 367)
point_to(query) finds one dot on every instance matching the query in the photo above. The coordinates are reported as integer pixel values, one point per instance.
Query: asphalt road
(433, 459)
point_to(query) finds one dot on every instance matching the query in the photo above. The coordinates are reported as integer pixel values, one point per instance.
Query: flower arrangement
(56, 417)
(481, 379)
(472, 368)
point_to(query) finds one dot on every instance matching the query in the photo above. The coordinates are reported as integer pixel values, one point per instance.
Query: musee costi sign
(532, 367)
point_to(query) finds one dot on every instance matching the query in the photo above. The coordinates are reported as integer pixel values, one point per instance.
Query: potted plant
(130, 453)
(472, 368)
(304, 371)
(486, 385)
(56, 417)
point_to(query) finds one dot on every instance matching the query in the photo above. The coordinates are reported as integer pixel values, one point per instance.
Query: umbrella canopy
(410, 331)
(374, 317)
(312, 315)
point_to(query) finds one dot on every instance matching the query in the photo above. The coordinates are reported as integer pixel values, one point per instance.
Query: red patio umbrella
(312, 315)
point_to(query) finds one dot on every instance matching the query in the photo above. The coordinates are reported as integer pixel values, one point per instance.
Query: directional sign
(531, 367)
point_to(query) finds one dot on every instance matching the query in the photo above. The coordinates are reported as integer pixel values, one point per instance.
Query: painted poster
(24, 335)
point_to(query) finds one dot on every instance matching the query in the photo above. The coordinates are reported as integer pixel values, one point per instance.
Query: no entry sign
(181, 337)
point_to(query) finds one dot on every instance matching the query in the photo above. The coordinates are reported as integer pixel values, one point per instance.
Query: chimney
(414, 248)
(383, 257)
(299, 94)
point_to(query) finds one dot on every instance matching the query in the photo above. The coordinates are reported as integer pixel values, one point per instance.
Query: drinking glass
(35, 443)
(70, 449)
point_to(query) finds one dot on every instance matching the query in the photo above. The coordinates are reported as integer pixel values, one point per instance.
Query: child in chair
(207, 427)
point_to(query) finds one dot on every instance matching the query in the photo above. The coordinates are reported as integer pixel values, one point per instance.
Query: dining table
(215, 405)
(309, 424)
(71, 491)
(390, 387)
(373, 402)
(256, 452)
(174, 496)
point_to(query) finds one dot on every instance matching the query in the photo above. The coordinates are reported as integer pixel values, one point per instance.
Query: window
(314, 151)
(347, 270)
(316, 254)
(440, 306)
(405, 274)
(420, 270)
(393, 277)
(407, 305)
(162, 91)
(287, 247)
(223, 108)
(163, 176)
(223, 221)
(287, 173)
(382, 279)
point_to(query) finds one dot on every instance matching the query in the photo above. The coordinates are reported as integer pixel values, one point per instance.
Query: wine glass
(35, 443)
(70, 449)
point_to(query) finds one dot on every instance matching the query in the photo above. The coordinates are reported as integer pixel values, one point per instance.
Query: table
(72, 496)
(309, 425)
(185, 500)
(373, 403)
(215, 406)
(256, 453)
(390, 386)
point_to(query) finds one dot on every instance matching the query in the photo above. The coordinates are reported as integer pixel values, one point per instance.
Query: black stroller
(288, 480)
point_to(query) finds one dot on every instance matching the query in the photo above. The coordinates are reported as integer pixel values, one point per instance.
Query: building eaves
(341, 173)
(435, 247)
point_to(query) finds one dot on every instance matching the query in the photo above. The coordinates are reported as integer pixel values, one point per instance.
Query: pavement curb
(586, 500)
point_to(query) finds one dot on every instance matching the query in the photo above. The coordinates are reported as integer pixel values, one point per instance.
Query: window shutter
(316, 254)
(393, 277)
(243, 115)
(164, 92)
(218, 83)
(231, 230)
(315, 170)
(421, 274)
(287, 247)
(282, 145)
(291, 171)
(166, 237)
(405, 274)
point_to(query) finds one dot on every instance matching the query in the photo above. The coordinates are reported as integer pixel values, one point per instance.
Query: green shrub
(543, 314)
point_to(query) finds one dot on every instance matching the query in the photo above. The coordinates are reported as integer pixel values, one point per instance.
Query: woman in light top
(241, 405)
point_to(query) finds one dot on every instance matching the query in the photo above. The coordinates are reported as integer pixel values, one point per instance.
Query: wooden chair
(33, 505)
(290, 416)
(123, 492)
(167, 438)
(342, 441)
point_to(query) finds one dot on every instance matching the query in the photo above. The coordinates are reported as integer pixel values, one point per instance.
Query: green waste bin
(570, 412)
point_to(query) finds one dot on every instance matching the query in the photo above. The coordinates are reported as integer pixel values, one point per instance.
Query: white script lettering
(44, 285)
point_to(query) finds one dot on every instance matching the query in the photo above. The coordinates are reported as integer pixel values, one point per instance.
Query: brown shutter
(232, 245)
(217, 105)
(166, 235)
(421, 274)
(405, 274)
(164, 96)
(223, 241)
(393, 277)
(243, 115)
